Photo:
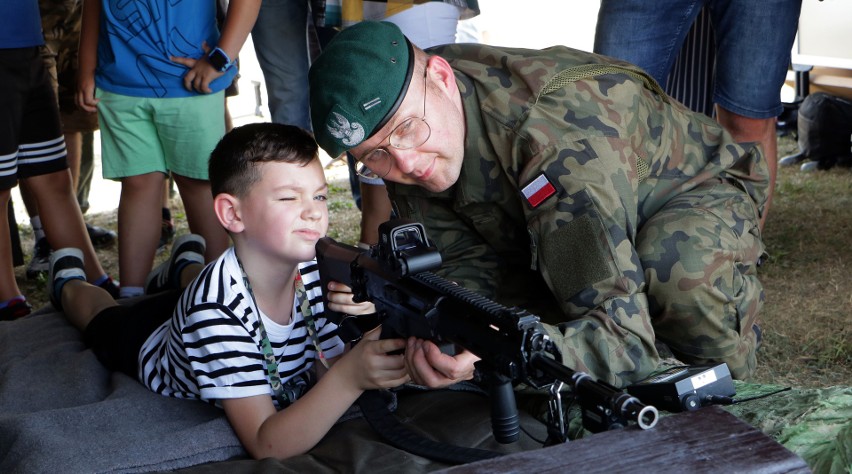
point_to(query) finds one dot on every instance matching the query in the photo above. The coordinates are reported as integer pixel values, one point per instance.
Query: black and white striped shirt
(211, 347)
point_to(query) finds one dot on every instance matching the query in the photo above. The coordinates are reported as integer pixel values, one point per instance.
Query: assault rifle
(395, 275)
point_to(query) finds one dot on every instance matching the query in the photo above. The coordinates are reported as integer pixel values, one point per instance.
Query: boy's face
(286, 212)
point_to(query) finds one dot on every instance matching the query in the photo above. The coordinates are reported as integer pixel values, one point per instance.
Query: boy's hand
(430, 367)
(369, 366)
(85, 96)
(200, 73)
(340, 300)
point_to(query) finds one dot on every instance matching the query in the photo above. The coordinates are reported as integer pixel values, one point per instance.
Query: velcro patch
(538, 190)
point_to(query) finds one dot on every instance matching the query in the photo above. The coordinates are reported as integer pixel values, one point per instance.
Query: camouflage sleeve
(583, 240)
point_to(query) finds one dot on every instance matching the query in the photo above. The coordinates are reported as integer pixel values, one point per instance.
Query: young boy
(246, 331)
(156, 71)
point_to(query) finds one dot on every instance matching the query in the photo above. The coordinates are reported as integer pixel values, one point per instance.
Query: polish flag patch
(538, 190)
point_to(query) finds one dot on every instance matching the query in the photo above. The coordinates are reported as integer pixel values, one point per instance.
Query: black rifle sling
(375, 410)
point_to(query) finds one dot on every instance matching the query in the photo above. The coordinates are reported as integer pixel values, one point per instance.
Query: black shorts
(116, 334)
(31, 141)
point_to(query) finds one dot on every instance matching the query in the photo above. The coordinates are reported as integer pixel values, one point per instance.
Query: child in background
(246, 332)
(32, 151)
(155, 71)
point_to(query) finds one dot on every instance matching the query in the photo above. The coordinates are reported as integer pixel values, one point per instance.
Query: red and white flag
(538, 190)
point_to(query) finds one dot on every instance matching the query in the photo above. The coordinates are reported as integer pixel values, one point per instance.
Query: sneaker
(99, 236)
(65, 264)
(809, 166)
(188, 248)
(40, 262)
(18, 308)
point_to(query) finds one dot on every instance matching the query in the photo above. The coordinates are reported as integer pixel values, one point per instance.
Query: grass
(808, 312)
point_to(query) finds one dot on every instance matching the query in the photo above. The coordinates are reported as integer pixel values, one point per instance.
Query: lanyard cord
(285, 393)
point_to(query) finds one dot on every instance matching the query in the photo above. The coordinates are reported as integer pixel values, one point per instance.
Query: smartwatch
(219, 60)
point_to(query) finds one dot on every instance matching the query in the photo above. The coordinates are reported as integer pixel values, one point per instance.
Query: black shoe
(65, 265)
(40, 262)
(16, 309)
(99, 236)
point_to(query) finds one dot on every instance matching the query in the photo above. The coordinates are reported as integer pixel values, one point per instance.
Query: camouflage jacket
(567, 154)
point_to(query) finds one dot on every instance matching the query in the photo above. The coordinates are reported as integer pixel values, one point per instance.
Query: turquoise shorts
(142, 135)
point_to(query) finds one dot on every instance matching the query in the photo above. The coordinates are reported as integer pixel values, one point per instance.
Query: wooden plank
(709, 440)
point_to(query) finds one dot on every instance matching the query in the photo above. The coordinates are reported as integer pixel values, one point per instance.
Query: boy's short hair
(233, 166)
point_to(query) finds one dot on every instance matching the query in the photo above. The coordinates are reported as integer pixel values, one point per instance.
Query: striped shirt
(211, 347)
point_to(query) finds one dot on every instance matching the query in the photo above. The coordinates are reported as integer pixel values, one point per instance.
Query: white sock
(130, 291)
(38, 230)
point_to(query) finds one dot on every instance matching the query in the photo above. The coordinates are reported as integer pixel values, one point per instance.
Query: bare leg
(745, 129)
(138, 232)
(61, 217)
(81, 302)
(8, 286)
(198, 203)
(74, 146)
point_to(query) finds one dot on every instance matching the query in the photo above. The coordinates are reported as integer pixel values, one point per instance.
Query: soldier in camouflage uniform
(563, 182)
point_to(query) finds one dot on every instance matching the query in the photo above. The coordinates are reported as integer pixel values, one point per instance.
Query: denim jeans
(280, 38)
(753, 43)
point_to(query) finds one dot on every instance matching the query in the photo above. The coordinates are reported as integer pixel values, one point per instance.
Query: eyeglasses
(410, 133)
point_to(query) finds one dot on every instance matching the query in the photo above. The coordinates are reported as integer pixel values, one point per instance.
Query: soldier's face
(435, 165)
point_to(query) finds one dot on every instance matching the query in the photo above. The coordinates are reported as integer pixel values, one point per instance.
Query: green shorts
(142, 135)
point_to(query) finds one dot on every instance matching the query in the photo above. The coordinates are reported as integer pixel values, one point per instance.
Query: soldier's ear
(440, 72)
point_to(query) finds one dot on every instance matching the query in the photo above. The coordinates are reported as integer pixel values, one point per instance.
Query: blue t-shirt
(20, 25)
(138, 38)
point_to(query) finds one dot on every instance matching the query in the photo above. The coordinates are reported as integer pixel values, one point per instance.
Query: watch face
(218, 60)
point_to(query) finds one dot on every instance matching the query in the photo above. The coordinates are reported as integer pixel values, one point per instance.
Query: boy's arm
(238, 24)
(265, 432)
(87, 59)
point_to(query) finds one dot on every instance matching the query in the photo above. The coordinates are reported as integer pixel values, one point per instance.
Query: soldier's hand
(430, 367)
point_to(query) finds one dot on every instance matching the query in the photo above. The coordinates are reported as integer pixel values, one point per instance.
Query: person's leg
(647, 34)
(42, 165)
(189, 129)
(14, 77)
(8, 286)
(61, 217)
(115, 332)
(198, 204)
(138, 235)
(746, 129)
(87, 170)
(280, 38)
(132, 153)
(700, 255)
(754, 40)
(74, 145)
(70, 293)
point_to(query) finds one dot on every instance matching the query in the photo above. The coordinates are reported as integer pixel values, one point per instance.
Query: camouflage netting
(816, 424)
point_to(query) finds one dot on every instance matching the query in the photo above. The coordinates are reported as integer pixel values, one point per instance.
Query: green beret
(358, 83)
